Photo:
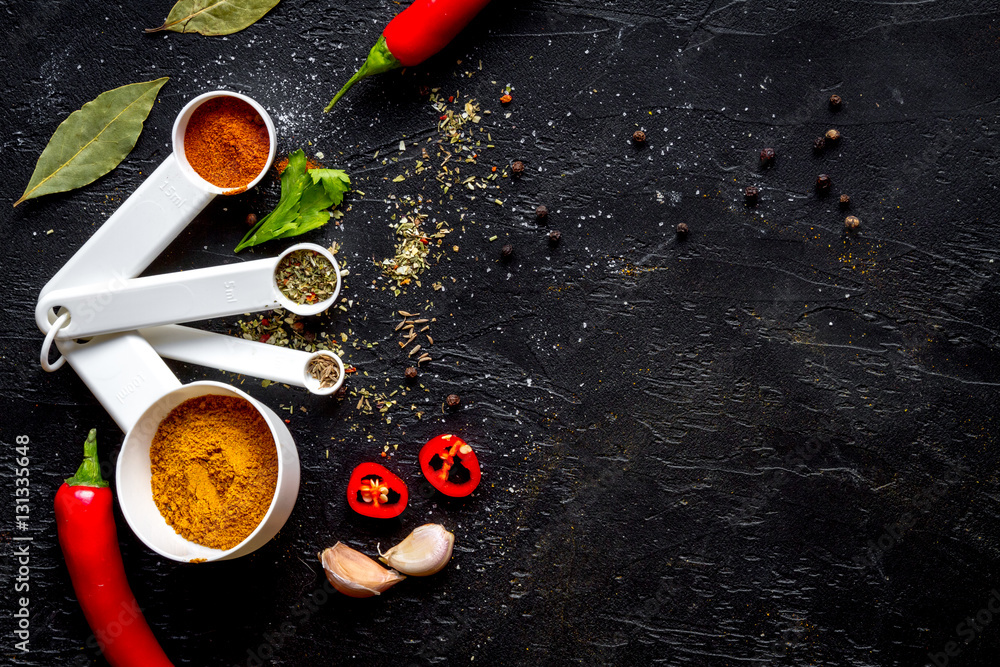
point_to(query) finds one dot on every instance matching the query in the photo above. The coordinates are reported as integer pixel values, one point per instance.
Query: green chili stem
(89, 472)
(379, 60)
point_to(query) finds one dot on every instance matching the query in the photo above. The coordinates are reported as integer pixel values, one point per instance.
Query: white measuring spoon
(143, 226)
(184, 296)
(146, 223)
(239, 355)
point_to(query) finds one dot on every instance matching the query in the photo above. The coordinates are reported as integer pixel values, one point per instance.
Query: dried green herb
(306, 277)
(214, 17)
(306, 194)
(412, 248)
(93, 140)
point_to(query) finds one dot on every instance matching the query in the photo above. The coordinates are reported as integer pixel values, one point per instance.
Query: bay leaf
(214, 17)
(93, 140)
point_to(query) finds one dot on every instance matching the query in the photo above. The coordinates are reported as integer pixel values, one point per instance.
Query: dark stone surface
(689, 446)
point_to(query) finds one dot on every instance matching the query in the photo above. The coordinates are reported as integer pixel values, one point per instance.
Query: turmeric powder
(214, 469)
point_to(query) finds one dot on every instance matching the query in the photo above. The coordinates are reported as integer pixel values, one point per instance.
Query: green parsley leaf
(304, 202)
(336, 182)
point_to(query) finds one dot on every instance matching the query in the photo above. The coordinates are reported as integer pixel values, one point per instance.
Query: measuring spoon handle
(239, 355)
(141, 228)
(185, 296)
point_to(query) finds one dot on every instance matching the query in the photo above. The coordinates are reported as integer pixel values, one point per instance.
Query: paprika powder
(226, 142)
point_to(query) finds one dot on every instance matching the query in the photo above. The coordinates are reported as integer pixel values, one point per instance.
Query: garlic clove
(425, 551)
(355, 574)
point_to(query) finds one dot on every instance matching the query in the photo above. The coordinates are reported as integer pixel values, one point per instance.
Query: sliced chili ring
(376, 492)
(450, 465)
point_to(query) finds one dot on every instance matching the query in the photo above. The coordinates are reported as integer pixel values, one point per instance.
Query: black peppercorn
(341, 393)
(682, 229)
(823, 183)
(410, 372)
(767, 157)
(453, 400)
(251, 219)
(852, 222)
(517, 167)
(835, 102)
(555, 236)
(750, 195)
(506, 251)
(833, 136)
(819, 143)
(845, 200)
(639, 136)
(542, 212)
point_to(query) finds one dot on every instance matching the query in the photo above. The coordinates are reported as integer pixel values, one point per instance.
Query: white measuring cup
(115, 373)
(184, 296)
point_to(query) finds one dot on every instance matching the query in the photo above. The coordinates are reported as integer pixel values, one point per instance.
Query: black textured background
(695, 453)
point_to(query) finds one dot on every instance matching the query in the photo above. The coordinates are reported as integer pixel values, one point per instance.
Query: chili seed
(823, 183)
(682, 229)
(542, 212)
(453, 400)
(517, 167)
(506, 251)
(251, 219)
(639, 137)
(852, 222)
(835, 102)
(750, 195)
(845, 200)
(410, 372)
(555, 236)
(767, 157)
(833, 136)
(819, 143)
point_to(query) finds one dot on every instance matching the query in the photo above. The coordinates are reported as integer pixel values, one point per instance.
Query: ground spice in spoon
(214, 469)
(226, 142)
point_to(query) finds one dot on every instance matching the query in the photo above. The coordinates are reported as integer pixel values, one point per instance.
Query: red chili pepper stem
(379, 60)
(89, 472)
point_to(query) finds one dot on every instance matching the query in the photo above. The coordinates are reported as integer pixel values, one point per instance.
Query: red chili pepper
(86, 526)
(376, 492)
(414, 35)
(450, 465)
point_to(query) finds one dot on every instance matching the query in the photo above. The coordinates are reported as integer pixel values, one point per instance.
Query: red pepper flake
(425, 241)
(494, 168)
(266, 322)
(265, 338)
(443, 116)
(350, 369)
(451, 98)
(505, 98)
(288, 421)
(383, 455)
